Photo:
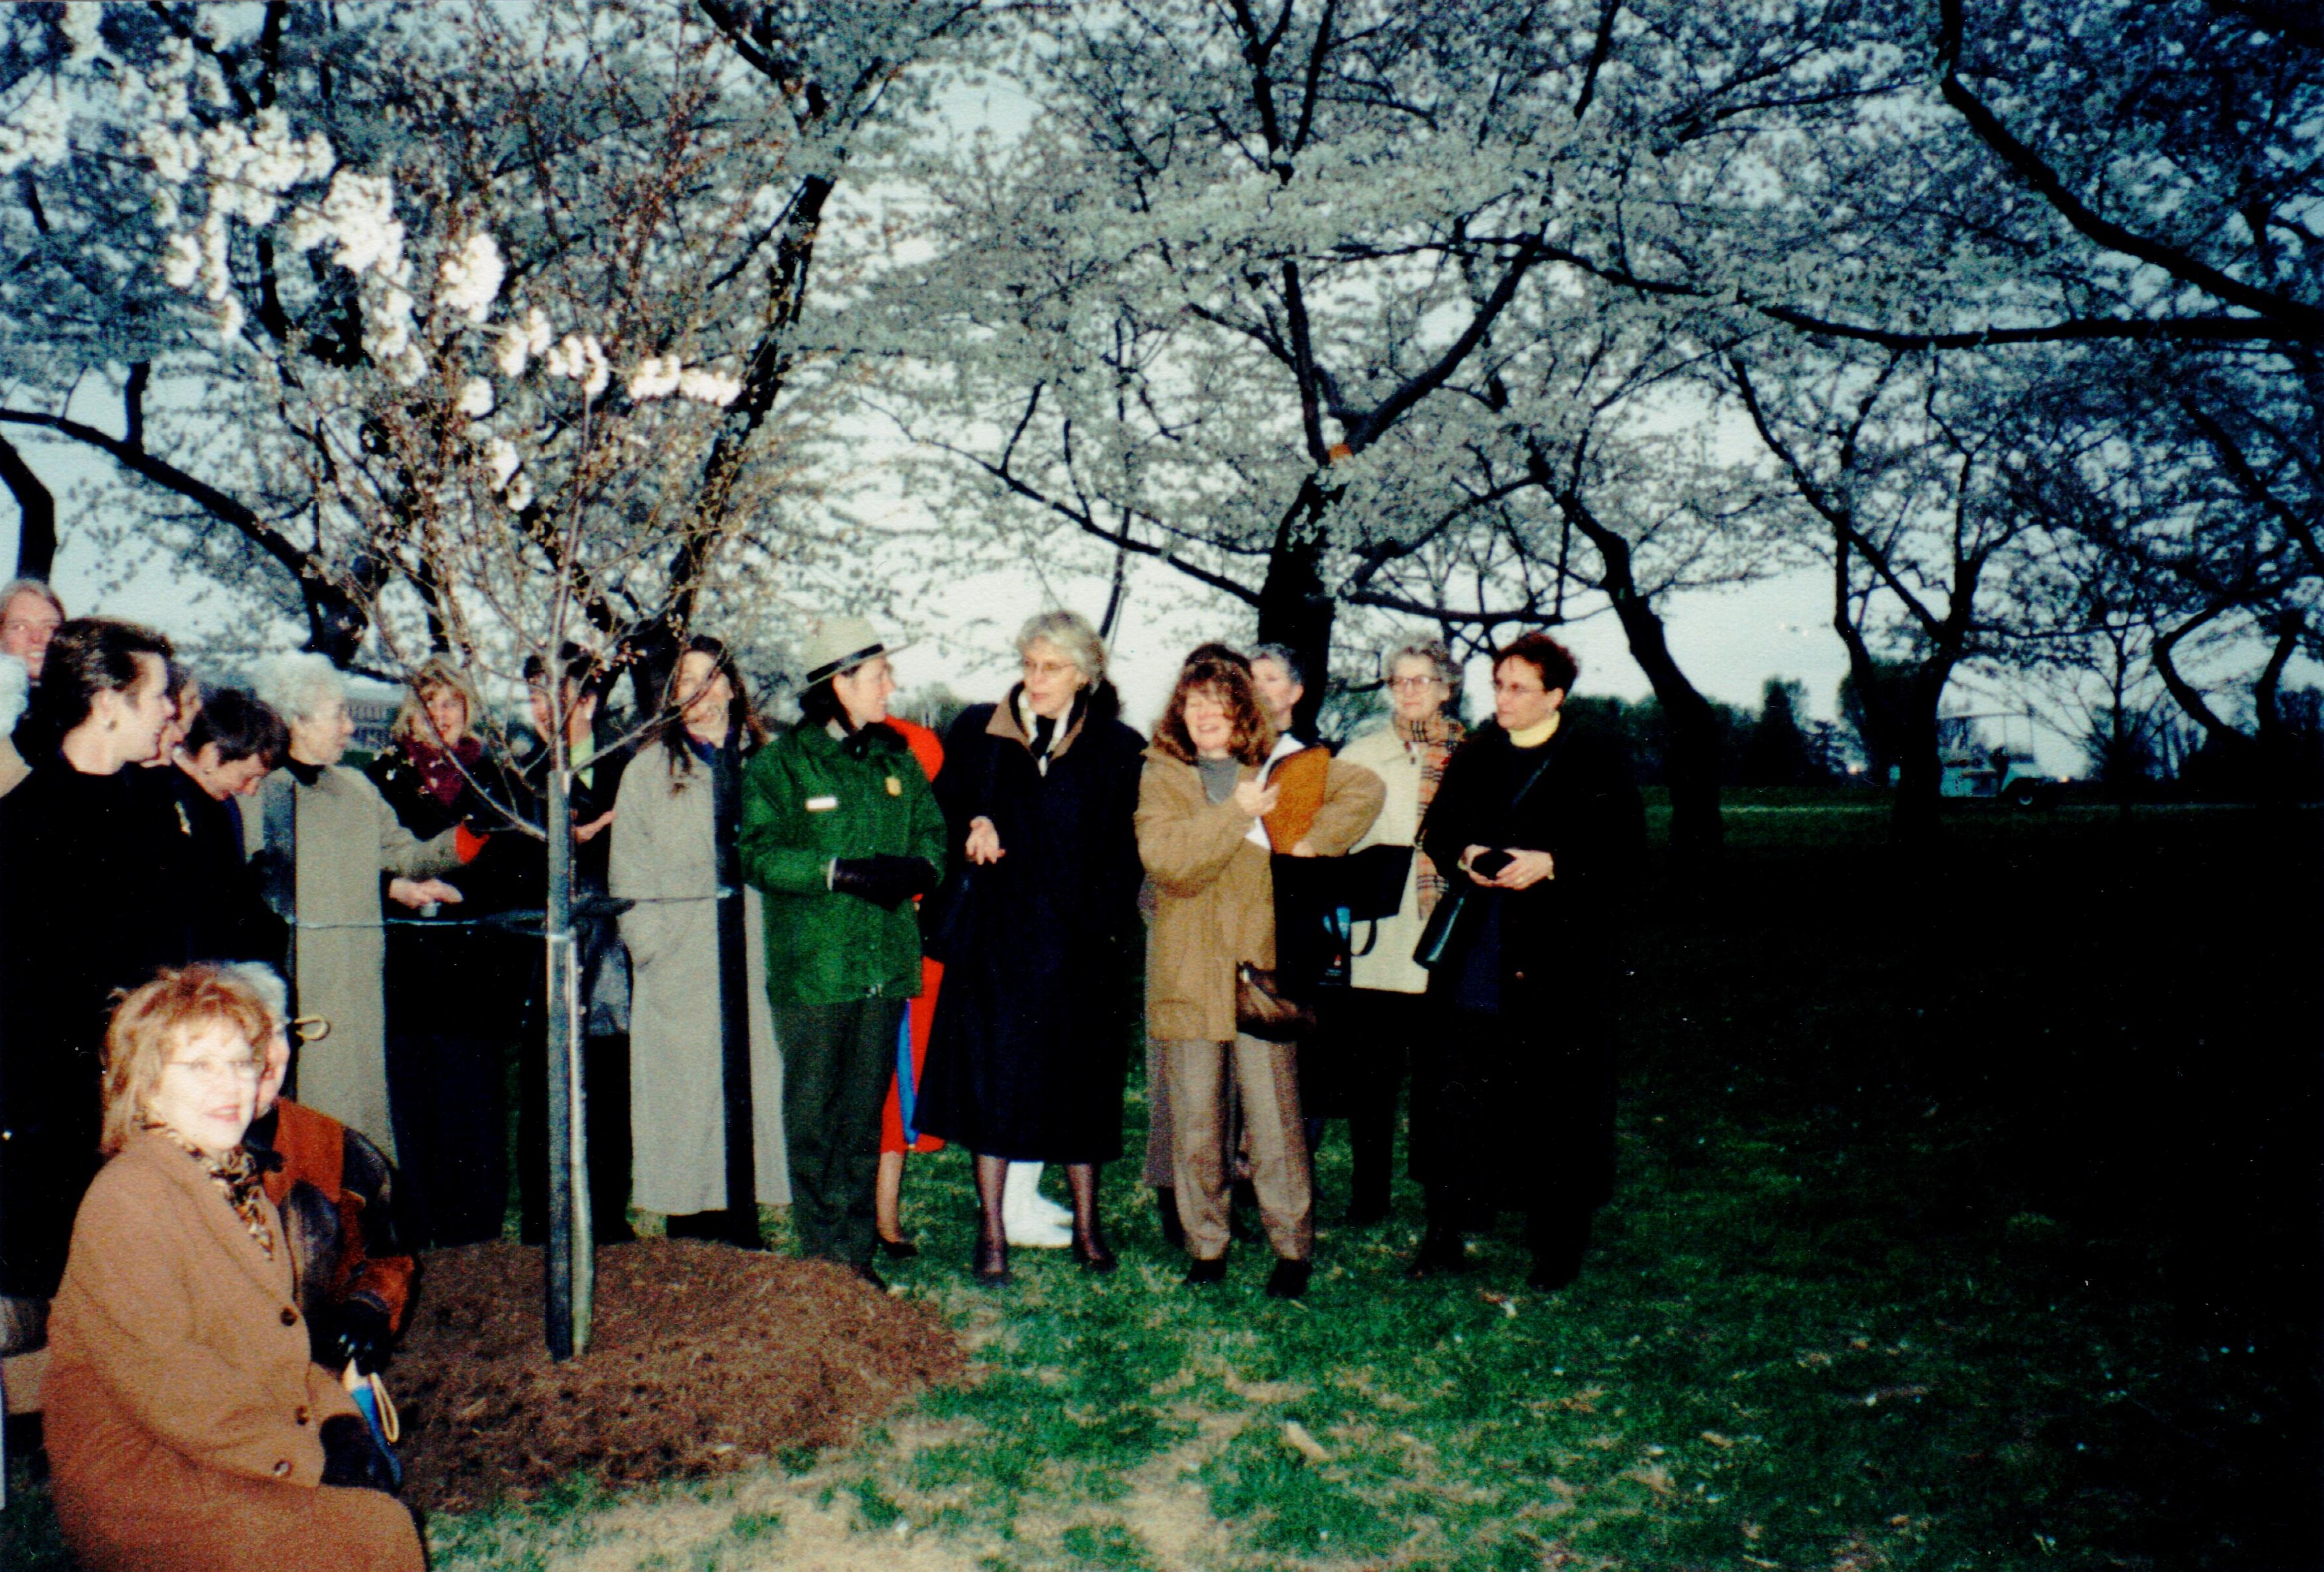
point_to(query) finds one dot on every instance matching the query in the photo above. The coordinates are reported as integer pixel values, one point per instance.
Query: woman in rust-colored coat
(187, 1427)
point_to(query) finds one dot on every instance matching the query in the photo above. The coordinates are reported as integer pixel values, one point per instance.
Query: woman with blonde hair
(188, 1426)
(455, 989)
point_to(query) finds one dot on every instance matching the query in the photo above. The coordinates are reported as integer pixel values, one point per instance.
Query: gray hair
(298, 685)
(14, 587)
(1074, 636)
(1281, 655)
(1432, 651)
(267, 983)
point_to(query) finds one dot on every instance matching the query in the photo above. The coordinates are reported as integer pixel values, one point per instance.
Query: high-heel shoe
(897, 1249)
(1094, 1256)
(989, 1266)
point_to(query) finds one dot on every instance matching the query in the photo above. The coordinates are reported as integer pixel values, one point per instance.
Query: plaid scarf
(1431, 741)
(238, 1177)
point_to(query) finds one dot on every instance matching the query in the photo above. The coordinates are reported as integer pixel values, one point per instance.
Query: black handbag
(1436, 933)
(1318, 901)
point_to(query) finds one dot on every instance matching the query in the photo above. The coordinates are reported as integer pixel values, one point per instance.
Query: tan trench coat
(663, 854)
(183, 1410)
(1215, 890)
(347, 836)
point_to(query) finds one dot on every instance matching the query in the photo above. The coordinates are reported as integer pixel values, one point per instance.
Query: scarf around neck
(440, 770)
(1430, 740)
(1043, 732)
(238, 1177)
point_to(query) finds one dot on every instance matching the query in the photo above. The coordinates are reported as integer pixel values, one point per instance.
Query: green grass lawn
(1968, 1219)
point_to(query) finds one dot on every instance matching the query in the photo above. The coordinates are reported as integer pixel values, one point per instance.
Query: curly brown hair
(1253, 737)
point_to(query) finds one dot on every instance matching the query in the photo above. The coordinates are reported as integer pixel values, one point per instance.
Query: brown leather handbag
(1264, 1012)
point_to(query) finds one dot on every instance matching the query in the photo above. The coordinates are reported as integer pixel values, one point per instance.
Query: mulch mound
(703, 1358)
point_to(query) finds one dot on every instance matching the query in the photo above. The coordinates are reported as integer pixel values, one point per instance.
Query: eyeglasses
(1049, 668)
(1411, 684)
(219, 1069)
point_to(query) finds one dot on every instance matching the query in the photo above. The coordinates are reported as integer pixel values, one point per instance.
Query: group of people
(802, 956)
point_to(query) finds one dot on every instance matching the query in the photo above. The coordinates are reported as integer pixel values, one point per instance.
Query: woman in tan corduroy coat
(1213, 911)
(187, 1425)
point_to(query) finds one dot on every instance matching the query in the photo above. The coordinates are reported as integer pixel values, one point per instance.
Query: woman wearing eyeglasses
(1538, 826)
(187, 1425)
(1026, 1061)
(1358, 1066)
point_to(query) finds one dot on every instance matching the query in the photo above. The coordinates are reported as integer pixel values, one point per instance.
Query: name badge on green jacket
(821, 804)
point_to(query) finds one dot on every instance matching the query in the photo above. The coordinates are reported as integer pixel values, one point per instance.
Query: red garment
(928, 748)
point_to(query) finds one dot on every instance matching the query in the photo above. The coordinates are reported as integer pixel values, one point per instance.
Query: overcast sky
(1729, 642)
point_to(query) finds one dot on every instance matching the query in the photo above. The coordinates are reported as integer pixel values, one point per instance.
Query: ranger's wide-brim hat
(842, 644)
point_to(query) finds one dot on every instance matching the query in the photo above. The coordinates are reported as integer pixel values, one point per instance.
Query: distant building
(372, 705)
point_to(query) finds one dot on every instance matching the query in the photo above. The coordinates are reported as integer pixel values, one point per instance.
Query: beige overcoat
(346, 838)
(1388, 965)
(662, 858)
(182, 1409)
(1215, 890)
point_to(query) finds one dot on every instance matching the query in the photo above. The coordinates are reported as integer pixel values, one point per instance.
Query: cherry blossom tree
(492, 328)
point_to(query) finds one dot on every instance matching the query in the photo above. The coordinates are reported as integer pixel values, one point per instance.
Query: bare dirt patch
(703, 1358)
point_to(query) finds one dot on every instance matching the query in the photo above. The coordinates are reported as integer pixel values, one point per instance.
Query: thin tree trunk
(1692, 761)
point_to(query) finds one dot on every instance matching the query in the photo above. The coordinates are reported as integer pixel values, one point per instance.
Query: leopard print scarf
(238, 1177)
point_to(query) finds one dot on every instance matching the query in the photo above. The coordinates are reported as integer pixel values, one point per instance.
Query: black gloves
(884, 880)
(357, 1332)
(353, 1458)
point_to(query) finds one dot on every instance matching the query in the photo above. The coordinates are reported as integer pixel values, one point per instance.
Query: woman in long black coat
(1513, 1103)
(455, 990)
(1037, 939)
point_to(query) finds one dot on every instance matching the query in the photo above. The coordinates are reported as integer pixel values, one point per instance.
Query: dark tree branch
(2295, 319)
(133, 404)
(2164, 656)
(2248, 481)
(36, 534)
(1368, 429)
(1601, 47)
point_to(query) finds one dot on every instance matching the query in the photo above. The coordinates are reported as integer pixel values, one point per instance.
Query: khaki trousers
(1267, 1077)
(1162, 1147)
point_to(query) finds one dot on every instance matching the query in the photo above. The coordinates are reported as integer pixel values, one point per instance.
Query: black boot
(1166, 1206)
(1441, 1251)
(1559, 1242)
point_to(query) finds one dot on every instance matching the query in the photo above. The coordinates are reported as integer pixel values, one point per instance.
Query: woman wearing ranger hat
(840, 829)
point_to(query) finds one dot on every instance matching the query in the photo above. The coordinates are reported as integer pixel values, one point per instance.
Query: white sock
(1027, 1216)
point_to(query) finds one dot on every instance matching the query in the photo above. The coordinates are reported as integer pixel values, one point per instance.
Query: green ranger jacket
(808, 797)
